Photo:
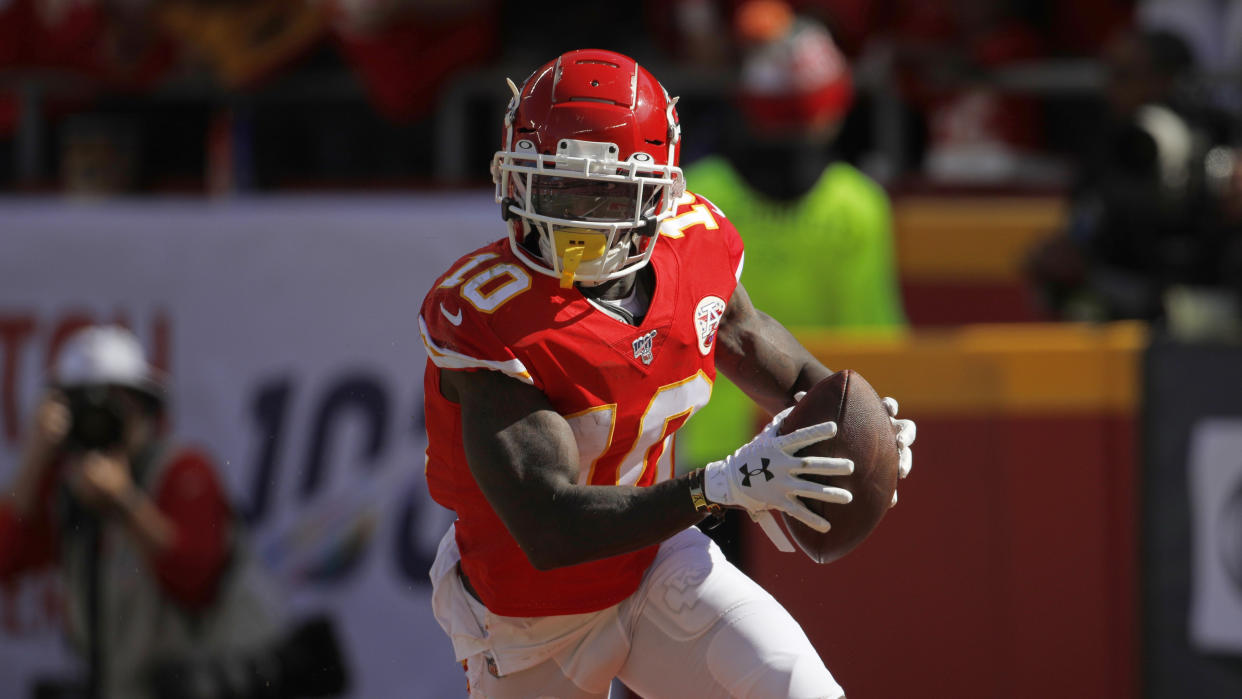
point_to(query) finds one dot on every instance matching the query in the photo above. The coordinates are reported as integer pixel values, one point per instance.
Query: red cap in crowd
(793, 75)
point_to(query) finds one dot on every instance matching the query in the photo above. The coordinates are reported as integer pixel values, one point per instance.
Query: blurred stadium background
(263, 190)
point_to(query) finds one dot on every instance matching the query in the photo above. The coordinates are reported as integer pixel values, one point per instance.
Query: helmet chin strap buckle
(651, 226)
(506, 212)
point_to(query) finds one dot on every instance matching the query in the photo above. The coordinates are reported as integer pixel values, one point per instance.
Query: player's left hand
(906, 432)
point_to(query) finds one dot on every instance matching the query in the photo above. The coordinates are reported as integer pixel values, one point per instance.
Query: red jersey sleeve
(29, 543)
(189, 494)
(456, 321)
(719, 224)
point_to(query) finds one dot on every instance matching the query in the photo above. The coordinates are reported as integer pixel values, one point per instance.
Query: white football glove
(906, 432)
(764, 475)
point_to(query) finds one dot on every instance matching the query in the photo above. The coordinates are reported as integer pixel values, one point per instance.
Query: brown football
(864, 434)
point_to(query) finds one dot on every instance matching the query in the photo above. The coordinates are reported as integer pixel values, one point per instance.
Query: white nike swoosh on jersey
(454, 318)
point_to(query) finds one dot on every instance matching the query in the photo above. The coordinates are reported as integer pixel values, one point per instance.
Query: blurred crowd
(340, 91)
(1131, 107)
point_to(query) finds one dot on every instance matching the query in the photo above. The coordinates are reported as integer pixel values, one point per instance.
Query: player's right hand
(906, 432)
(765, 475)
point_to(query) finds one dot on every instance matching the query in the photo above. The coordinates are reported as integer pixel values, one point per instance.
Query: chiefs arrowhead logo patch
(707, 320)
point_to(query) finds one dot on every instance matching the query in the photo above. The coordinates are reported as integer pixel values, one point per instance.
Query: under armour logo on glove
(747, 473)
(730, 482)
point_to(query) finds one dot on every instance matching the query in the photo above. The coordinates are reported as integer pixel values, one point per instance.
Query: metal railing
(450, 124)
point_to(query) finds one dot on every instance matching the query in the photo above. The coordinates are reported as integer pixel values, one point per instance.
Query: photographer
(1153, 211)
(140, 528)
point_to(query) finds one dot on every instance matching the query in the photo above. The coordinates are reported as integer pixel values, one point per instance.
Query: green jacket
(823, 261)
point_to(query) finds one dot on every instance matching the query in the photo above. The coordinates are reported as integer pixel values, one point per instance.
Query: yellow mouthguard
(575, 246)
(570, 259)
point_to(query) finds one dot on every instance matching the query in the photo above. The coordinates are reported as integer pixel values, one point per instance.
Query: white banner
(1215, 472)
(289, 328)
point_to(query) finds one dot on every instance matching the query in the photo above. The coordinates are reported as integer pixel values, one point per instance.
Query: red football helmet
(587, 168)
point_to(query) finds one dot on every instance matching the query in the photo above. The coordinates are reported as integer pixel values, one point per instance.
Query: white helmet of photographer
(106, 355)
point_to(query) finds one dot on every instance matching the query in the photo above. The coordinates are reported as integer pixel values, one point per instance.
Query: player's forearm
(527, 468)
(767, 362)
(586, 523)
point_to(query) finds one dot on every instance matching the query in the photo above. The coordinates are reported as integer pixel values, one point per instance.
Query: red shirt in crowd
(188, 493)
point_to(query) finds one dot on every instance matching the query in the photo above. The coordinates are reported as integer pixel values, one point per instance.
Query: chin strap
(506, 212)
(650, 227)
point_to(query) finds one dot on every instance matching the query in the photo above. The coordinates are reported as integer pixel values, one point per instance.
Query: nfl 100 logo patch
(642, 347)
(706, 320)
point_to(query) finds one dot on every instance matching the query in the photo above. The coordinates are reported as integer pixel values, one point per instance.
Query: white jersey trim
(448, 359)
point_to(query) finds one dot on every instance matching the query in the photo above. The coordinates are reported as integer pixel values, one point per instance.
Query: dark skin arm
(759, 355)
(523, 455)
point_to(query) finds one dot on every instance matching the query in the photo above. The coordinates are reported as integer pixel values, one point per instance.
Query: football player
(562, 359)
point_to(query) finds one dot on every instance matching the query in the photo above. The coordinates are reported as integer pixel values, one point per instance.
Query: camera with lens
(96, 419)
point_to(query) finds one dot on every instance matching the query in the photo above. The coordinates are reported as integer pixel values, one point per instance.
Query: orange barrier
(1009, 569)
(960, 257)
(978, 239)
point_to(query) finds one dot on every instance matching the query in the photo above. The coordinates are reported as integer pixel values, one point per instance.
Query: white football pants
(696, 627)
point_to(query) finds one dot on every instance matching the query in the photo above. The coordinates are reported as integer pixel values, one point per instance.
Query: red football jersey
(623, 389)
